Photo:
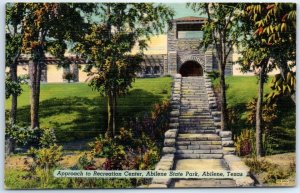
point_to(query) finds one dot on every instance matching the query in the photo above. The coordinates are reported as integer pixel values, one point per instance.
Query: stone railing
(167, 160)
(212, 101)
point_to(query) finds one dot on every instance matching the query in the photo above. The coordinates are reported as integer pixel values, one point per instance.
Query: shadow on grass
(80, 118)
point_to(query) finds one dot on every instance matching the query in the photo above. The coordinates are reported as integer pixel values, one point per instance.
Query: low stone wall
(167, 160)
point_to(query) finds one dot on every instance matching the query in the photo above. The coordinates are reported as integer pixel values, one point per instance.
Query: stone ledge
(168, 150)
(169, 142)
(171, 133)
(236, 164)
(225, 134)
(244, 182)
(157, 186)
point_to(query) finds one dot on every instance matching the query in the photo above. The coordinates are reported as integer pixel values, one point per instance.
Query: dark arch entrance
(191, 68)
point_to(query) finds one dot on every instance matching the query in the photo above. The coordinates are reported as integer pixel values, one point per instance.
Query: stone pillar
(172, 62)
(165, 65)
(208, 60)
(74, 70)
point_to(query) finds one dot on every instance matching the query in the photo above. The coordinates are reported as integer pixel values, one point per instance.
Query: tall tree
(109, 43)
(221, 30)
(47, 28)
(14, 35)
(275, 25)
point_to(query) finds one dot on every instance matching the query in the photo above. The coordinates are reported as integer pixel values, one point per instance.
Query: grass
(241, 90)
(75, 111)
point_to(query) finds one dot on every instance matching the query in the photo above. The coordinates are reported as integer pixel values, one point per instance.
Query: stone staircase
(197, 137)
(194, 140)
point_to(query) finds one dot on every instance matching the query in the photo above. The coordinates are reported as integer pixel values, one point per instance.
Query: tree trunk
(224, 115)
(14, 98)
(258, 116)
(111, 107)
(35, 70)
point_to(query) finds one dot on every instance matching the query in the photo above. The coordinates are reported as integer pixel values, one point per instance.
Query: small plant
(245, 143)
(86, 163)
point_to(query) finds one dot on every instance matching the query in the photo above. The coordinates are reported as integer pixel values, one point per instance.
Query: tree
(109, 43)
(257, 58)
(221, 30)
(275, 25)
(14, 35)
(47, 28)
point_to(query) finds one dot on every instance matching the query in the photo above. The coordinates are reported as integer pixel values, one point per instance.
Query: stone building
(182, 55)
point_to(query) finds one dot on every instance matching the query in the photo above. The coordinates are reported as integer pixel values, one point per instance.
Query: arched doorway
(191, 68)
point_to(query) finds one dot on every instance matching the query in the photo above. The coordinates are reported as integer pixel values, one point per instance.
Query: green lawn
(75, 111)
(241, 90)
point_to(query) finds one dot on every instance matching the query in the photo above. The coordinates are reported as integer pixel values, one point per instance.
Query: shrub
(245, 143)
(85, 163)
(153, 125)
(127, 150)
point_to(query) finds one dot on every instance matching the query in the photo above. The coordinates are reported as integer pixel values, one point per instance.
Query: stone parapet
(167, 160)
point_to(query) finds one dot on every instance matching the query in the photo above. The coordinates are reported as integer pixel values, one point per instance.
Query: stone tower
(184, 55)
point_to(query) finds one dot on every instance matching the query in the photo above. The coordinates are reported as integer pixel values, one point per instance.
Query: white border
(214, 190)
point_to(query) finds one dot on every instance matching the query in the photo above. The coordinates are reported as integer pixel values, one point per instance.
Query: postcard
(150, 95)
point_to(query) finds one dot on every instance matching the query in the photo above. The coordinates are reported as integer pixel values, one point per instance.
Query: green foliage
(47, 138)
(14, 87)
(282, 87)
(85, 162)
(213, 75)
(46, 157)
(22, 136)
(126, 151)
(245, 143)
(269, 114)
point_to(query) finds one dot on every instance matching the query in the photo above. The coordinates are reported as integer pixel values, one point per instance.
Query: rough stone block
(224, 134)
(175, 113)
(157, 186)
(169, 142)
(174, 120)
(244, 182)
(168, 150)
(167, 157)
(227, 143)
(226, 138)
(174, 125)
(201, 151)
(171, 133)
(236, 164)
(192, 147)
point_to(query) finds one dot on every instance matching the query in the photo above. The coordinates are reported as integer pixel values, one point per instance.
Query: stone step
(197, 130)
(200, 147)
(198, 137)
(199, 156)
(194, 125)
(202, 151)
(196, 117)
(185, 143)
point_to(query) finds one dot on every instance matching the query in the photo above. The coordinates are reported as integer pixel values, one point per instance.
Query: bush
(126, 151)
(153, 125)
(245, 143)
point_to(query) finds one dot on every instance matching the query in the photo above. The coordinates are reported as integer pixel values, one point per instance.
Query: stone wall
(167, 160)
